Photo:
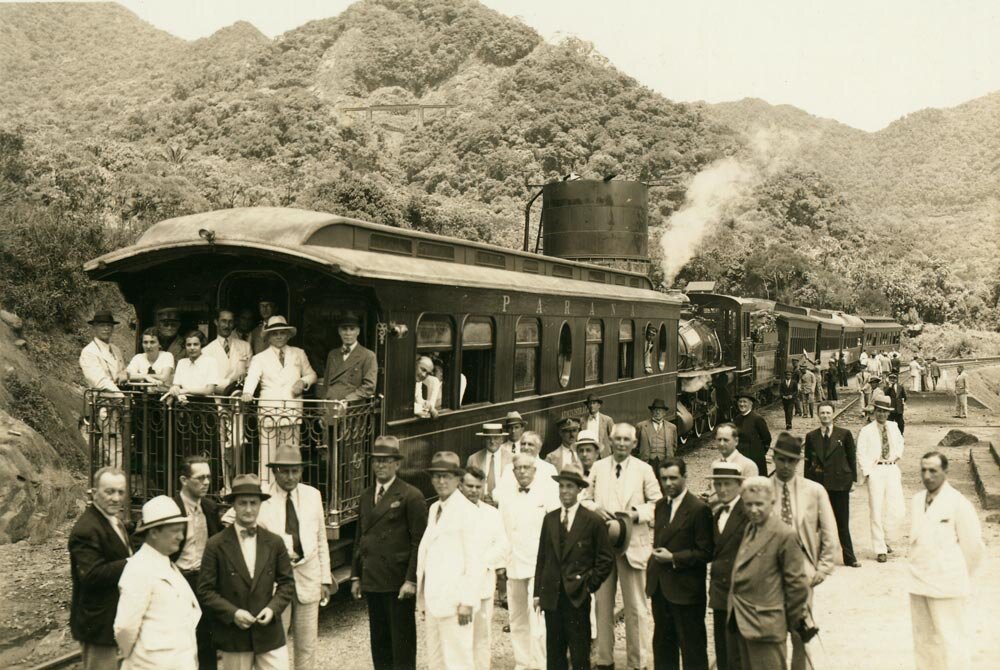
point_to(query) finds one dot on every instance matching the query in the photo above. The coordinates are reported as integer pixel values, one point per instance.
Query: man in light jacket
(946, 548)
(880, 446)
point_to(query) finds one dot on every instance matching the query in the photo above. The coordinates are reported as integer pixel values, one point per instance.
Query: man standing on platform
(574, 559)
(351, 372)
(565, 454)
(755, 438)
(726, 439)
(598, 424)
(946, 548)
(730, 521)
(897, 395)
(675, 579)
(392, 520)
(807, 389)
(961, 394)
(492, 458)
(880, 446)
(831, 460)
(232, 355)
(657, 436)
(625, 485)
(789, 390)
(515, 426)
(168, 324)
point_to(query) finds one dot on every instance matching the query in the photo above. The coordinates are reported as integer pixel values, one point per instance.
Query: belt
(884, 463)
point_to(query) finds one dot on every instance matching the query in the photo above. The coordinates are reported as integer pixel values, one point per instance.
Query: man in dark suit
(351, 370)
(730, 522)
(98, 549)
(657, 436)
(203, 523)
(392, 520)
(675, 577)
(755, 438)
(831, 460)
(246, 582)
(897, 394)
(574, 559)
(789, 391)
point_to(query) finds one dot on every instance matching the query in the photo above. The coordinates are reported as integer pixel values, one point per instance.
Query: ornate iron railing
(149, 438)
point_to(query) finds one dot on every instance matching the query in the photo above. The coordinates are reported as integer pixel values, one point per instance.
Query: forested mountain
(112, 124)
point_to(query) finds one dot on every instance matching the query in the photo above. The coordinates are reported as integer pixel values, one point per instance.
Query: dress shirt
(119, 527)
(494, 462)
(279, 519)
(232, 364)
(727, 510)
(196, 535)
(593, 423)
(196, 374)
(675, 503)
(779, 488)
(140, 365)
(568, 514)
(248, 545)
(385, 488)
(523, 514)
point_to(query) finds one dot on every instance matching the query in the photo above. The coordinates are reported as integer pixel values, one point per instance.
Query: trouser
(789, 406)
(962, 405)
(754, 654)
(831, 388)
(798, 405)
(940, 633)
(303, 620)
(527, 628)
(934, 381)
(885, 499)
(808, 400)
(567, 628)
(98, 656)
(482, 624)
(449, 646)
(392, 629)
(637, 638)
(208, 657)
(840, 501)
(726, 657)
(276, 659)
(678, 630)
(799, 661)
(898, 418)
(843, 376)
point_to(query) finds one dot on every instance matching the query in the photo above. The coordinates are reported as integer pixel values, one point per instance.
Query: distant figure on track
(961, 394)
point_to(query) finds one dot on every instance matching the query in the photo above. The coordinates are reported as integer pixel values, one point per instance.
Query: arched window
(436, 339)
(564, 359)
(663, 348)
(526, 358)
(649, 348)
(594, 352)
(477, 361)
(626, 348)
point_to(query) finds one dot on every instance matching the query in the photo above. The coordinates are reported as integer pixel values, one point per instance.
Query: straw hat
(278, 323)
(159, 511)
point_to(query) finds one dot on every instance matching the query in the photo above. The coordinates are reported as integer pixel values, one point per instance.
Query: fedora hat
(386, 446)
(569, 423)
(571, 472)
(658, 403)
(159, 511)
(446, 461)
(103, 316)
(349, 320)
(276, 323)
(246, 485)
(593, 397)
(725, 470)
(882, 403)
(620, 532)
(286, 456)
(788, 445)
(168, 314)
(874, 379)
(492, 430)
(588, 437)
(514, 417)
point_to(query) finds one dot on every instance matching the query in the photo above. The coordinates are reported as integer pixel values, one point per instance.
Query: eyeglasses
(201, 478)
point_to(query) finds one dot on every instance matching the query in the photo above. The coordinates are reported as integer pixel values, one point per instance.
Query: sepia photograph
(499, 335)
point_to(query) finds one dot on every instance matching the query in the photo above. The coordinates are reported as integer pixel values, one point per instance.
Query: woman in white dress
(152, 366)
(915, 372)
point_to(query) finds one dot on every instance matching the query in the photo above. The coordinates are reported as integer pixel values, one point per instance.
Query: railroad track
(63, 661)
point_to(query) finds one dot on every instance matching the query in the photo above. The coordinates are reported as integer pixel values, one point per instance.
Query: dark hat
(572, 472)
(386, 446)
(749, 396)
(286, 456)
(620, 532)
(168, 314)
(568, 423)
(349, 320)
(103, 316)
(883, 404)
(788, 445)
(246, 485)
(658, 403)
(446, 461)
(492, 430)
(725, 470)
(593, 398)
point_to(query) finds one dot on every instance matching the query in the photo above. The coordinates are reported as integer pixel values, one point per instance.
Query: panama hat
(276, 323)
(246, 485)
(286, 456)
(386, 446)
(588, 437)
(103, 316)
(514, 417)
(883, 404)
(620, 532)
(725, 470)
(788, 445)
(446, 461)
(159, 511)
(571, 472)
(874, 379)
(492, 430)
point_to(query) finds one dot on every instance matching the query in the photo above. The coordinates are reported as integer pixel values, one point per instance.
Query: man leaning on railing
(103, 368)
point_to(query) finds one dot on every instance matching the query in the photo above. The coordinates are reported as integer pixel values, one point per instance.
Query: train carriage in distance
(881, 334)
(512, 331)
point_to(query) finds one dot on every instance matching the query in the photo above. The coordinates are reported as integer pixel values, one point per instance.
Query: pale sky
(862, 62)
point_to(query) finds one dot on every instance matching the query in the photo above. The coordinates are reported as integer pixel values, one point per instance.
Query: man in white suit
(157, 610)
(232, 355)
(283, 374)
(530, 444)
(450, 568)
(625, 484)
(880, 446)
(492, 458)
(103, 368)
(946, 547)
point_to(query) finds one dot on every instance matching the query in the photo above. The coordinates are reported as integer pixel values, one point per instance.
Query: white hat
(159, 511)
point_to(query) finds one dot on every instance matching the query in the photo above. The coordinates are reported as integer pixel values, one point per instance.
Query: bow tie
(345, 350)
(248, 532)
(524, 489)
(725, 508)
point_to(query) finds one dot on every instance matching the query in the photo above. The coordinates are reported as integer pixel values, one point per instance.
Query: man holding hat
(515, 426)
(880, 446)
(168, 325)
(755, 438)
(157, 611)
(492, 458)
(657, 436)
(729, 523)
(246, 583)
(897, 396)
(450, 568)
(283, 373)
(351, 370)
(391, 522)
(574, 558)
(597, 423)
(564, 454)
(803, 505)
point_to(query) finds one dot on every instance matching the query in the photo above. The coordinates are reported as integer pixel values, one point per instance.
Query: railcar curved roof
(880, 323)
(332, 242)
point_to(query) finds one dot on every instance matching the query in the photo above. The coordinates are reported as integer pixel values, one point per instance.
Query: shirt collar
(101, 344)
(679, 497)
(110, 517)
(385, 487)
(238, 526)
(277, 349)
(731, 458)
(189, 503)
(732, 503)
(351, 348)
(571, 511)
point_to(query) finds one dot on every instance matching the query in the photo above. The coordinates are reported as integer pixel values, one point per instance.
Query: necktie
(524, 489)
(885, 442)
(379, 494)
(618, 471)
(281, 357)
(225, 345)
(123, 534)
(437, 517)
(563, 529)
(248, 532)
(292, 526)
(491, 479)
(786, 504)
(670, 508)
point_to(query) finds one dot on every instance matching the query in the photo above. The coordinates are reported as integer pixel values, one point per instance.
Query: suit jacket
(157, 614)
(275, 380)
(312, 569)
(353, 379)
(897, 394)
(479, 459)
(815, 525)
(450, 563)
(580, 566)
(637, 490)
(788, 390)
(555, 457)
(495, 549)
(644, 431)
(961, 383)
(946, 544)
(755, 438)
(604, 426)
(870, 445)
(388, 537)
(725, 546)
(97, 558)
(689, 538)
(834, 462)
(807, 382)
(225, 586)
(769, 588)
(100, 365)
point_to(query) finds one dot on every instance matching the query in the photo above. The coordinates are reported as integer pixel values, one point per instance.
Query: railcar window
(661, 360)
(564, 360)
(477, 360)
(595, 352)
(626, 348)
(649, 348)
(436, 338)
(526, 356)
